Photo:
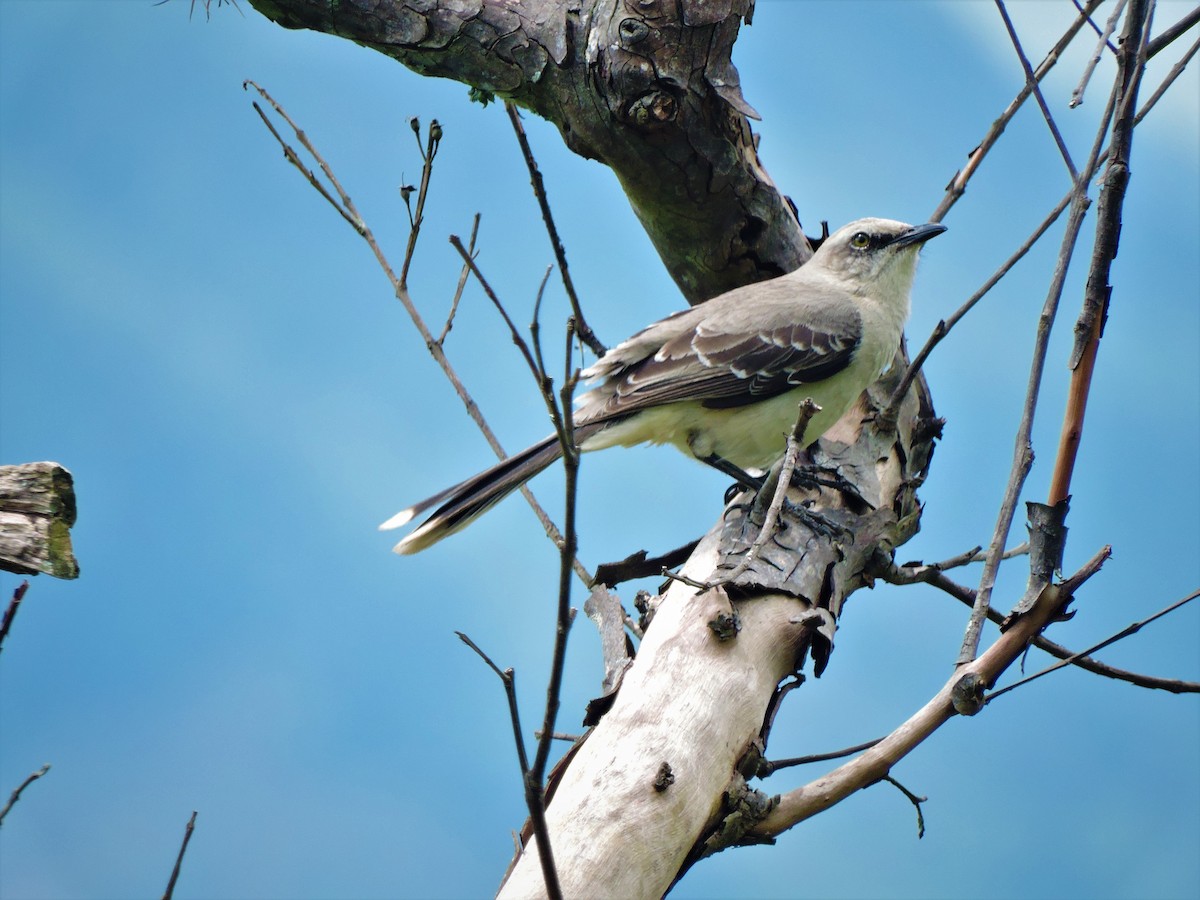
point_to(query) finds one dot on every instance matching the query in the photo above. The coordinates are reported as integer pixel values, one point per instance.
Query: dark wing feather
(726, 370)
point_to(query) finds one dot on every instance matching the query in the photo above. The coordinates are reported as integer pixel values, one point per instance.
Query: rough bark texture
(644, 86)
(37, 510)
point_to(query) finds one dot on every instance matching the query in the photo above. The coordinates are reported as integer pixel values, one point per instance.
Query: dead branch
(16, 795)
(10, 612)
(37, 510)
(187, 837)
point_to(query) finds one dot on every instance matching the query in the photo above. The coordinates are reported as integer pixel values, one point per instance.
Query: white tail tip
(399, 519)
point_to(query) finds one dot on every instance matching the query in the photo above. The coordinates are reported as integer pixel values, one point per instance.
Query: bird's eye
(860, 241)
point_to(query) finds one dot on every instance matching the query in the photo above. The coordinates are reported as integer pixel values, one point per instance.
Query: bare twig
(1037, 91)
(187, 837)
(344, 207)
(1077, 94)
(462, 283)
(513, 331)
(16, 795)
(539, 189)
(11, 612)
(432, 140)
(1125, 632)
(1169, 35)
(943, 327)
(534, 795)
(769, 767)
(509, 679)
(1096, 28)
(1022, 449)
(348, 211)
(965, 595)
(914, 800)
(977, 555)
(958, 184)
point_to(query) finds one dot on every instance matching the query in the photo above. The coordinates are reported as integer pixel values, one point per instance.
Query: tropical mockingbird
(723, 380)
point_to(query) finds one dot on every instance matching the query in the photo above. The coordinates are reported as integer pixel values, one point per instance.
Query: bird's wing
(723, 361)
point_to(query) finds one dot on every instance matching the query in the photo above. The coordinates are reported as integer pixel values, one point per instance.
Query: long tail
(460, 505)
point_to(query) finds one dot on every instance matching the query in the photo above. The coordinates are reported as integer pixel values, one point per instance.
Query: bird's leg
(811, 475)
(742, 478)
(814, 521)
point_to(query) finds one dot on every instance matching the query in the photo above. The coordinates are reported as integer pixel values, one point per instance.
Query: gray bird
(723, 380)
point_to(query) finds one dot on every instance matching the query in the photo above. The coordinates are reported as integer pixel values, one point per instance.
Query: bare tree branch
(1074, 658)
(187, 837)
(11, 611)
(16, 795)
(539, 189)
(1031, 80)
(958, 184)
(1077, 94)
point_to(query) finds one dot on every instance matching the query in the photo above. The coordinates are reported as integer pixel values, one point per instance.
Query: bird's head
(875, 257)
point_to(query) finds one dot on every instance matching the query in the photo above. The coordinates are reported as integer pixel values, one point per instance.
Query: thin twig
(914, 800)
(187, 837)
(1037, 91)
(1188, 22)
(1022, 448)
(958, 184)
(1074, 658)
(943, 327)
(1096, 28)
(432, 142)
(463, 274)
(11, 612)
(350, 214)
(905, 575)
(1077, 94)
(977, 555)
(769, 767)
(294, 158)
(828, 790)
(16, 795)
(534, 794)
(536, 777)
(513, 331)
(539, 190)
(508, 678)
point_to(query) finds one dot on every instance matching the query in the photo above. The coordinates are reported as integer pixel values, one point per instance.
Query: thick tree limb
(696, 701)
(646, 89)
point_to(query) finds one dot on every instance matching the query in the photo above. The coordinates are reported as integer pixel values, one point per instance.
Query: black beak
(918, 234)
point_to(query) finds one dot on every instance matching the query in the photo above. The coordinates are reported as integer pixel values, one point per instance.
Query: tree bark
(644, 86)
(37, 510)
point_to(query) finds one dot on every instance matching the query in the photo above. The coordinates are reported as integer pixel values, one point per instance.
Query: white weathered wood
(684, 681)
(37, 510)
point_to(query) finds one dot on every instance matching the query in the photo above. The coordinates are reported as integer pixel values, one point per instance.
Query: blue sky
(211, 351)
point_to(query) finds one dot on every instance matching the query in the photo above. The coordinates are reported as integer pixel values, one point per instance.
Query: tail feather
(464, 502)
